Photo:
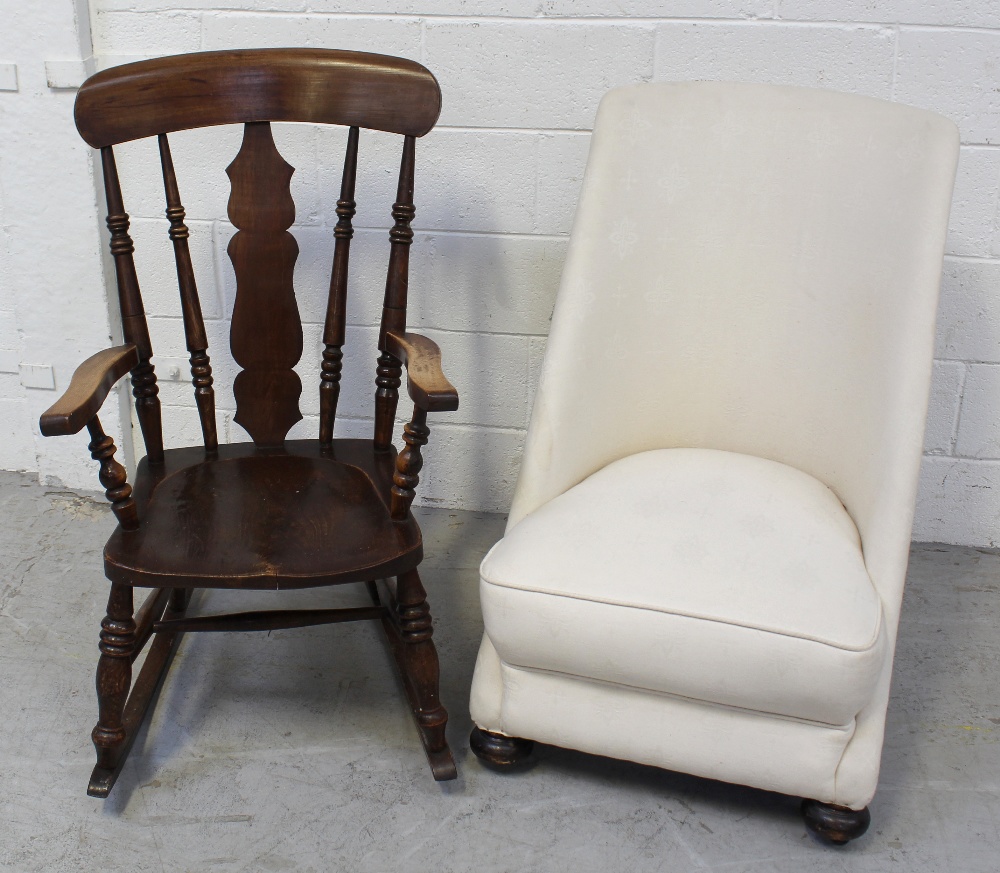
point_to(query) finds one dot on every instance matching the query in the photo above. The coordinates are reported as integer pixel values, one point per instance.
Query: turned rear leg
(835, 824)
(498, 750)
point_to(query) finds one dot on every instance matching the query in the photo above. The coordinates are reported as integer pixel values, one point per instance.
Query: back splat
(266, 335)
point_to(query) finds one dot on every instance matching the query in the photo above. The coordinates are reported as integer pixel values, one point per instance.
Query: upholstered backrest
(752, 268)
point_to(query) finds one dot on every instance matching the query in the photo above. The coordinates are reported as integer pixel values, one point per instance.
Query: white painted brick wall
(497, 185)
(53, 301)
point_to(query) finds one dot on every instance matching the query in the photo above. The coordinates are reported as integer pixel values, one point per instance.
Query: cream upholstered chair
(704, 561)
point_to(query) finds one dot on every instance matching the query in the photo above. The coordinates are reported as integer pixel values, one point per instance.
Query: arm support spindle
(78, 408)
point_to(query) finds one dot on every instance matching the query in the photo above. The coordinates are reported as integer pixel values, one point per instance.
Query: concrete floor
(294, 751)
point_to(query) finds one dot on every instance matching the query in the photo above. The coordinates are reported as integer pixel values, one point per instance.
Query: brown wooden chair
(273, 513)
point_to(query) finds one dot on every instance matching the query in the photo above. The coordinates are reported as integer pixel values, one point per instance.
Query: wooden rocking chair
(274, 513)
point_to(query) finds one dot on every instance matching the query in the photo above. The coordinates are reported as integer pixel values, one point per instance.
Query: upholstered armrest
(88, 389)
(425, 383)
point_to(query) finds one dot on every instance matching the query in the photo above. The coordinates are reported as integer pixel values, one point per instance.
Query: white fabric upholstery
(705, 574)
(753, 270)
(778, 754)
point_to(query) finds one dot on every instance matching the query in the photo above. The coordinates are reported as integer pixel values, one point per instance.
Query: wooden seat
(270, 513)
(291, 519)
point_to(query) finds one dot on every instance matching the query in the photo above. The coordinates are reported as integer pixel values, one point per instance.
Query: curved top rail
(328, 86)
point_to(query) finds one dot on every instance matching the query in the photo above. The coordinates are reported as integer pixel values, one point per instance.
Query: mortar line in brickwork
(895, 62)
(374, 228)
(957, 421)
(579, 19)
(453, 330)
(975, 259)
(964, 458)
(965, 28)
(425, 327)
(574, 131)
(495, 428)
(969, 362)
(536, 156)
(373, 325)
(440, 424)
(452, 18)
(445, 330)
(550, 19)
(827, 22)
(430, 327)
(417, 231)
(474, 426)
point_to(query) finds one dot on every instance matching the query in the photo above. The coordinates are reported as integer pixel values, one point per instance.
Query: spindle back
(256, 87)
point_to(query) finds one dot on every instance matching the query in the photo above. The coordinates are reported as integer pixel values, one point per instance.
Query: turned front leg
(408, 464)
(114, 674)
(420, 657)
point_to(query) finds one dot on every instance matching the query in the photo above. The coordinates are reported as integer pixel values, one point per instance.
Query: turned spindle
(194, 323)
(113, 476)
(336, 312)
(134, 327)
(394, 305)
(408, 464)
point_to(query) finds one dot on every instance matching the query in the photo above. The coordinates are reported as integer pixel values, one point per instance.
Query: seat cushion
(705, 574)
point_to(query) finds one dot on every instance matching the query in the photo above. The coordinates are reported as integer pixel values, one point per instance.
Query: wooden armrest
(425, 383)
(87, 391)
